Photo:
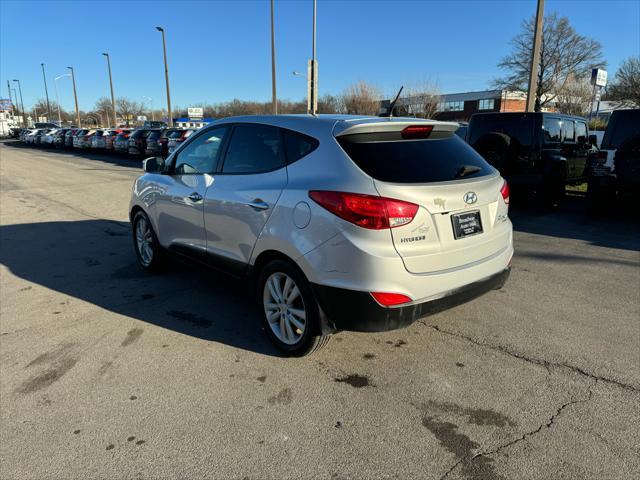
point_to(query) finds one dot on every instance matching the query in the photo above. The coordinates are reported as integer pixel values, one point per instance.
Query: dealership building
(460, 106)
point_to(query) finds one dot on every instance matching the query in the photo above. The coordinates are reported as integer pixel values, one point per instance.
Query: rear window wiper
(466, 170)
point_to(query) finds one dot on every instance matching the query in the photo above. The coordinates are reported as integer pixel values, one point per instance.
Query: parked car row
(136, 142)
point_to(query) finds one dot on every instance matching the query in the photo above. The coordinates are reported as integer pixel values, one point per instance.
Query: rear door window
(552, 130)
(569, 130)
(417, 161)
(254, 149)
(581, 132)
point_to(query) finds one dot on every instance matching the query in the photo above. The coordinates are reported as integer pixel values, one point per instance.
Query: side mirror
(593, 140)
(153, 165)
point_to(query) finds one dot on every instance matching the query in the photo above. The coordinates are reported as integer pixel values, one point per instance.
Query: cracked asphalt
(106, 372)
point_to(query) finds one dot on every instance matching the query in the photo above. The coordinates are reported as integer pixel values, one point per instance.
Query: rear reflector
(413, 132)
(366, 211)
(505, 192)
(390, 299)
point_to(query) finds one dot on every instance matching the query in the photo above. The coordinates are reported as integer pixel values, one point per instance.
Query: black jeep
(542, 152)
(614, 171)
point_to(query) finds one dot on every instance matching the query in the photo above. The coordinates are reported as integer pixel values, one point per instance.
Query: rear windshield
(518, 127)
(139, 134)
(623, 124)
(154, 134)
(417, 161)
(175, 134)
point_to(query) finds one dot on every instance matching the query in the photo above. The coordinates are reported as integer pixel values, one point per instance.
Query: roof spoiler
(397, 131)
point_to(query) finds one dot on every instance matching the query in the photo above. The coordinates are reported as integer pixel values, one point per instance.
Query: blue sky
(220, 50)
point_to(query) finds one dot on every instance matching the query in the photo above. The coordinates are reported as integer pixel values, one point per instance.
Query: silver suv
(341, 222)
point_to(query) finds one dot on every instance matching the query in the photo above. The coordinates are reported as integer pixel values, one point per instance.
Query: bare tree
(128, 109)
(329, 104)
(564, 52)
(41, 107)
(575, 96)
(104, 108)
(421, 100)
(361, 98)
(626, 83)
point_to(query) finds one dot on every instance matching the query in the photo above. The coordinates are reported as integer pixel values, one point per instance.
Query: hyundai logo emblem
(470, 198)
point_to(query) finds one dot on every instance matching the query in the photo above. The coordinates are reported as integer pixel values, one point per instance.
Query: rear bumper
(358, 311)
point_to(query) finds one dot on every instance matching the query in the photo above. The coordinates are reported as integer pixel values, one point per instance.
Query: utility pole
(313, 71)
(10, 99)
(24, 120)
(274, 98)
(46, 93)
(113, 98)
(535, 58)
(75, 96)
(166, 76)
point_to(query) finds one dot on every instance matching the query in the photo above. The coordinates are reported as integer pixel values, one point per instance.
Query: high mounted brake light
(414, 132)
(366, 211)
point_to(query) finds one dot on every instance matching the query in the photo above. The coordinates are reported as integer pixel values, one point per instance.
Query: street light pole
(166, 76)
(113, 98)
(535, 58)
(313, 70)
(24, 120)
(274, 98)
(75, 96)
(46, 93)
(55, 84)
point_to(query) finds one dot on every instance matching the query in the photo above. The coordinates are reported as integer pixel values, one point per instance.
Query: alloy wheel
(144, 241)
(284, 308)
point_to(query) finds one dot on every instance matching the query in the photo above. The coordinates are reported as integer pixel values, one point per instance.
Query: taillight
(366, 211)
(504, 191)
(413, 132)
(390, 299)
(601, 158)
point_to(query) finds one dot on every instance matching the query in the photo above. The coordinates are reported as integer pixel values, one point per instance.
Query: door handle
(258, 204)
(195, 197)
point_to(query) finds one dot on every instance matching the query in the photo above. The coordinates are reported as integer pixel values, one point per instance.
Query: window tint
(139, 134)
(253, 149)
(298, 145)
(552, 130)
(581, 132)
(518, 127)
(569, 130)
(623, 124)
(417, 161)
(200, 155)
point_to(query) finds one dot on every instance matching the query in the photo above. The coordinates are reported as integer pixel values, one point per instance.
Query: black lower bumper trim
(359, 312)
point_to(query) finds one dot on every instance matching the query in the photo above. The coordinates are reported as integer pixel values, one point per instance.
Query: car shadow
(619, 229)
(93, 261)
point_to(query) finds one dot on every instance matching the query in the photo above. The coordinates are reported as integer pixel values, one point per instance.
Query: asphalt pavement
(108, 373)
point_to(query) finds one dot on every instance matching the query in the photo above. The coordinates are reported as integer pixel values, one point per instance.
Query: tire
(150, 256)
(295, 314)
